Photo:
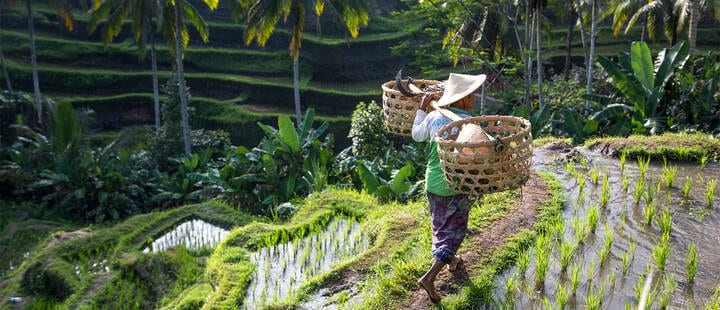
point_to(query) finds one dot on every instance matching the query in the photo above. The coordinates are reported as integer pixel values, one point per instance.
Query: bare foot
(430, 289)
(454, 263)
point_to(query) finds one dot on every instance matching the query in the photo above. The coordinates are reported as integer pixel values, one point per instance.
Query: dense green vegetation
(86, 184)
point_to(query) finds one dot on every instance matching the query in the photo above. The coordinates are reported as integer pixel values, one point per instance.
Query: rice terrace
(360, 154)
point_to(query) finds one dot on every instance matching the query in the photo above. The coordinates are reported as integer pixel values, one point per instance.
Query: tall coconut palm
(696, 8)
(147, 20)
(63, 9)
(537, 13)
(182, 10)
(2, 56)
(261, 16)
(669, 15)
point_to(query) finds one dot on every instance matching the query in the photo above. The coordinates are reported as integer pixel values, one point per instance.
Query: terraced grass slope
(234, 85)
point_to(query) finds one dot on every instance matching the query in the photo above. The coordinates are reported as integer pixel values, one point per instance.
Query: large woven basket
(475, 168)
(399, 110)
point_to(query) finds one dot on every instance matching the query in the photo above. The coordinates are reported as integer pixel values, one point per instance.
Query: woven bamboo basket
(475, 168)
(399, 110)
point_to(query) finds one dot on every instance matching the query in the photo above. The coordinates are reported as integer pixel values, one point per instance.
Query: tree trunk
(182, 89)
(692, 29)
(593, 35)
(568, 40)
(296, 90)
(4, 65)
(33, 63)
(528, 53)
(156, 92)
(538, 46)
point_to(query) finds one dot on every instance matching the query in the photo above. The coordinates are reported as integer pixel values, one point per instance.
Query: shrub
(367, 131)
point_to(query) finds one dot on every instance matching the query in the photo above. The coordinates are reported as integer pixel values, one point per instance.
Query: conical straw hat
(458, 86)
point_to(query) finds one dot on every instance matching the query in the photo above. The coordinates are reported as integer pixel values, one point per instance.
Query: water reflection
(281, 269)
(194, 235)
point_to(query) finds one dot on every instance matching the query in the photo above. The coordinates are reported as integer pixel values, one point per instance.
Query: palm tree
(262, 16)
(63, 9)
(696, 8)
(673, 15)
(147, 20)
(2, 56)
(537, 13)
(183, 10)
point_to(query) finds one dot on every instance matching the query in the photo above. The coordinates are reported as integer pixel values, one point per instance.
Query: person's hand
(425, 102)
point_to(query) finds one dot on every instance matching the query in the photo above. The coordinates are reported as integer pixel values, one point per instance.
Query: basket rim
(452, 143)
(387, 88)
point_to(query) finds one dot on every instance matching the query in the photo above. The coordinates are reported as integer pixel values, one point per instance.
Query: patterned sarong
(449, 224)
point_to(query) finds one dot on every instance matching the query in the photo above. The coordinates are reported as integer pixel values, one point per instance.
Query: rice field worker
(449, 210)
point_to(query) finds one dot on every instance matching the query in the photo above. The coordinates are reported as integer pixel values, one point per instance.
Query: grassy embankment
(180, 278)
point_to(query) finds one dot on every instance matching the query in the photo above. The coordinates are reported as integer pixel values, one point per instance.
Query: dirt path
(523, 216)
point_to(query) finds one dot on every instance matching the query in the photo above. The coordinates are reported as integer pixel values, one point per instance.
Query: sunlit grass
(686, 187)
(607, 244)
(574, 279)
(691, 262)
(661, 251)
(710, 192)
(542, 259)
(567, 250)
(592, 218)
(649, 213)
(668, 174)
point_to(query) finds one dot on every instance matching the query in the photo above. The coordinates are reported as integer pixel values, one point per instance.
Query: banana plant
(398, 187)
(643, 84)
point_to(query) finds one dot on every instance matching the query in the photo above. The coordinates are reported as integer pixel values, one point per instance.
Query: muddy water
(193, 234)
(280, 270)
(693, 221)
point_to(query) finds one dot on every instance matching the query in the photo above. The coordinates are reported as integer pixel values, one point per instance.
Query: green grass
(673, 146)
(132, 276)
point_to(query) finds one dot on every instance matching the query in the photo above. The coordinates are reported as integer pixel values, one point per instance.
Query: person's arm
(420, 130)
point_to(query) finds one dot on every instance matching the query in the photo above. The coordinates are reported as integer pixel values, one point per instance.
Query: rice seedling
(580, 201)
(623, 218)
(623, 158)
(592, 218)
(523, 262)
(574, 279)
(570, 167)
(666, 222)
(510, 287)
(605, 194)
(607, 244)
(625, 182)
(669, 287)
(542, 259)
(668, 175)
(580, 229)
(567, 250)
(643, 164)
(583, 162)
(591, 270)
(581, 182)
(638, 287)
(691, 262)
(710, 191)
(595, 174)
(649, 212)
(639, 190)
(546, 303)
(661, 251)
(686, 188)
(626, 262)
(610, 279)
(561, 297)
(703, 161)
(594, 298)
(632, 247)
(650, 193)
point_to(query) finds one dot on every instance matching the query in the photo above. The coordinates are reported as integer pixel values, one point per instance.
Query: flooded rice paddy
(281, 269)
(194, 235)
(627, 237)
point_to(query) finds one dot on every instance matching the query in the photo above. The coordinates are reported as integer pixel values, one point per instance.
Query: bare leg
(428, 279)
(455, 262)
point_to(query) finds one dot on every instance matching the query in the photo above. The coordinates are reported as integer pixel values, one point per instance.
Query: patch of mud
(560, 146)
(523, 216)
(614, 148)
(65, 236)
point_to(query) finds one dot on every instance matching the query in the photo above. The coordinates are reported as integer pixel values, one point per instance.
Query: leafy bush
(367, 131)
